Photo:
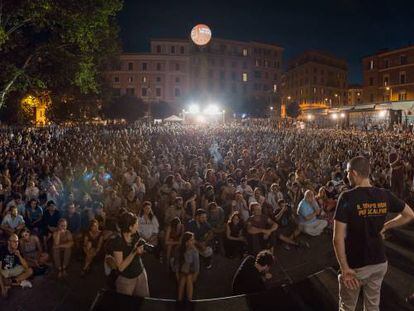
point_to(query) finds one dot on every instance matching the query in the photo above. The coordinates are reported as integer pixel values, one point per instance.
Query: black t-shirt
(364, 210)
(136, 267)
(8, 260)
(248, 279)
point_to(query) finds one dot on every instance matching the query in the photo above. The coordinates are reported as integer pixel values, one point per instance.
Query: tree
(58, 45)
(161, 110)
(126, 107)
(293, 110)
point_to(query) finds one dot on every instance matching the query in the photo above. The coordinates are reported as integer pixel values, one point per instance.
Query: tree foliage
(126, 107)
(59, 45)
(293, 110)
(161, 110)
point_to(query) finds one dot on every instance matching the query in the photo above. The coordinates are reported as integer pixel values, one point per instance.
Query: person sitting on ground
(31, 249)
(12, 222)
(92, 244)
(235, 242)
(14, 269)
(288, 230)
(250, 277)
(62, 247)
(34, 216)
(308, 211)
(216, 220)
(51, 217)
(148, 224)
(260, 230)
(173, 234)
(187, 266)
(203, 235)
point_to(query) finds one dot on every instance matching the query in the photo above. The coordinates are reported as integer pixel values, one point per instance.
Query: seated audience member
(62, 247)
(173, 234)
(14, 269)
(31, 192)
(31, 250)
(203, 235)
(216, 220)
(288, 229)
(260, 230)
(327, 205)
(176, 210)
(34, 216)
(73, 219)
(253, 272)
(148, 224)
(92, 244)
(51, 217)
(240, 205)
(13, 222)
(18, 202)
(187, 266)
(308, 211)
(235, 242)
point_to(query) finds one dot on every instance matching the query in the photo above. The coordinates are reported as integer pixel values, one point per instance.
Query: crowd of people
(183, 193)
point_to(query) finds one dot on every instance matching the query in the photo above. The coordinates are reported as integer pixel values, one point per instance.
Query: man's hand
(348, 277)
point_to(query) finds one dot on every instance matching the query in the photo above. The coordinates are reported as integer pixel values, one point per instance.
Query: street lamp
(389, 90)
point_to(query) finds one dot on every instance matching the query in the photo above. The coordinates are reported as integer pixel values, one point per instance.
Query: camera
(148, 248)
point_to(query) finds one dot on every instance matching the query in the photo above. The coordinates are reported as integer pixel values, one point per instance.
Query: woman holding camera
(127, 251)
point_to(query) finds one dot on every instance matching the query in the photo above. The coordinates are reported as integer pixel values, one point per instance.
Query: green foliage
(59, 45)
(126, 107)
(161, 110)
(293, 110)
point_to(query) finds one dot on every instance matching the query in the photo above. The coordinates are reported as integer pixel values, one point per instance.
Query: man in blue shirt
(308, 211)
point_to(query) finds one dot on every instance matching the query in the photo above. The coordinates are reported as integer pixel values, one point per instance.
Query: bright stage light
(309, 117)
(194, 108)
(334, 116)
(212, 109)
(342, 115)
(382, 113)
(201, 119)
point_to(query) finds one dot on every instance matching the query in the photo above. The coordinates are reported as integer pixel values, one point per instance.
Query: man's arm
(348, 275)
(406, 216)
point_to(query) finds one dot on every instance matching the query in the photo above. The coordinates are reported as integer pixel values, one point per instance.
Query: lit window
(371, 64)
(244, 52)
(244, 77)
(274, 88)
(131, 79)
(144, 79)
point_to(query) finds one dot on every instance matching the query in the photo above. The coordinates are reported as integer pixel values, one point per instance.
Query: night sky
(350, 29)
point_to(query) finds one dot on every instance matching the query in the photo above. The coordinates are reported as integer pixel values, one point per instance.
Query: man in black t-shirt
(252, 273)
(359, 226)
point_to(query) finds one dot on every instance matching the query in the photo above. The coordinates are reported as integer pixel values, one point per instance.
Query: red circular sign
(201, 34)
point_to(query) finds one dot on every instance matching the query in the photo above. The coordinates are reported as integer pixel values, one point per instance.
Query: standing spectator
(173, 234)
(187, 266)
(203, 235)
(62, 247)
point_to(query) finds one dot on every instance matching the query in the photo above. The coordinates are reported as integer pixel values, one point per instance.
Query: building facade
(389, 76)
(355, 95)
(176, 71)
(315, 80)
